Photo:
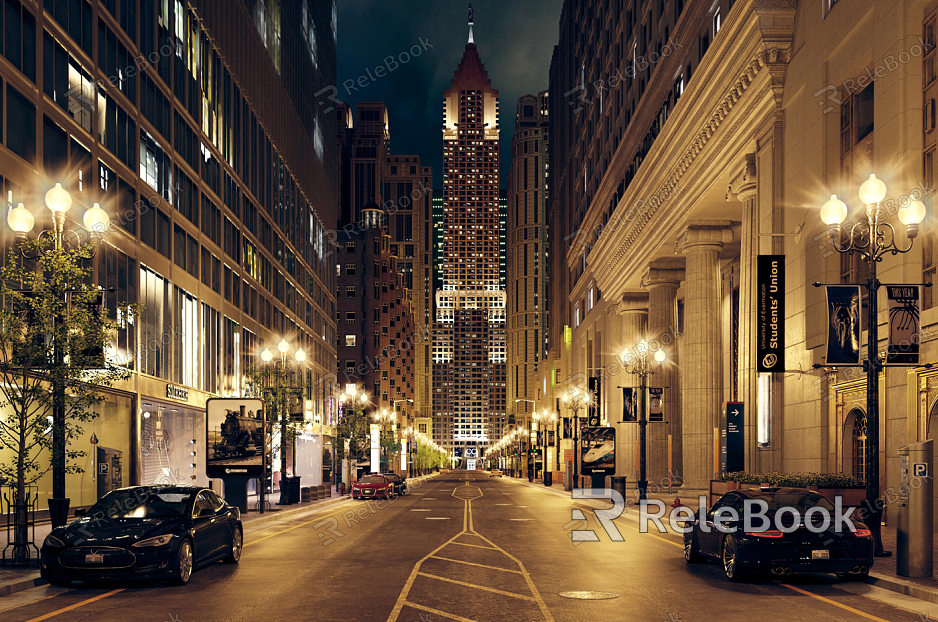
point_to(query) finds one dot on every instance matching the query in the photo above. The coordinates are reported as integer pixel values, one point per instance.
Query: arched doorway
(854, 444)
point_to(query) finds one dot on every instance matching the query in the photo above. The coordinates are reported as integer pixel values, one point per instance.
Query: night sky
(515, 39)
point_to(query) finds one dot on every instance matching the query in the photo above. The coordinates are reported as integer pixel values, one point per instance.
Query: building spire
(470, 25)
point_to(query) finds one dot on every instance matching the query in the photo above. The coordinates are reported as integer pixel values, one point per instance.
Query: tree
(53, 341)
(352, 427)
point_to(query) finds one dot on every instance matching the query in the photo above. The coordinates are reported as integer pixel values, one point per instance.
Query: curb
(900, 586)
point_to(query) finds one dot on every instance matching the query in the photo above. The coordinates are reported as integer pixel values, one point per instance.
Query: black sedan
(400, 483)
(144, 532)
(783, 546)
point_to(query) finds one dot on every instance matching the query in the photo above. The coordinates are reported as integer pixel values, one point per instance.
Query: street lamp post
(353, 398)
(21, 221)
(641, 367)
(386, 418)
(575, 401)
(286, 383)
(394, 410)
(872, 239)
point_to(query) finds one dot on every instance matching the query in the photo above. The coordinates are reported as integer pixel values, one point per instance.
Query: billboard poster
(904, 323)
(598, 451)
(843, 325)
(770, 313)
(234, 437)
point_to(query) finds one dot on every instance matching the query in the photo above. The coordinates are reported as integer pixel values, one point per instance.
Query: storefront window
(107, 464)
(167, 450)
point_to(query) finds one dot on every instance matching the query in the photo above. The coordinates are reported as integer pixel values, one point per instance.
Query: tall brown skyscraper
(469, 348)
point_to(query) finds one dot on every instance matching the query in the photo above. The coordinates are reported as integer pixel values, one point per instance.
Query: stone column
(633, 309)
(702, 244)
(662, 281)
(744, 189)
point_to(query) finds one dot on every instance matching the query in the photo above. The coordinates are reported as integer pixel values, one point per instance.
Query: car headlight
(53, 542)
(157, 541)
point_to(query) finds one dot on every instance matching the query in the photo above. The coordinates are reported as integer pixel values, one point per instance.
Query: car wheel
(730, 559)
(184, 562)
(237, 542)
(691, 552)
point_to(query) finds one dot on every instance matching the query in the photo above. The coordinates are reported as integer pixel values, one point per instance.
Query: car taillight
(861, 533)
(771, 533)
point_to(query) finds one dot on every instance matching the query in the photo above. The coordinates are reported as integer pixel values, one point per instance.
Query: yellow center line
(836, 604)
(475, 586)
(451, 616)
(76, 605)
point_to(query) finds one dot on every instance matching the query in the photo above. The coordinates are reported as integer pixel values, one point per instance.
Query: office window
(19, 37)
(21, 125)
(350, 340)
(350, 291)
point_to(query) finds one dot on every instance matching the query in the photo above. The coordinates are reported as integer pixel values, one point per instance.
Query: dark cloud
(515, 39)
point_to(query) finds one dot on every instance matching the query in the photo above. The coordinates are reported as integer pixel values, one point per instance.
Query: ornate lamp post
(872, 239)
(22, 221)
(641, 366)
(289, 380)
(405, 417)
(575, 400)
(385, 419)
(354, 399)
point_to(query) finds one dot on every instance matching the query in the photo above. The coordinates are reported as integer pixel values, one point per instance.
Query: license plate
(93, 558)
(822, 554)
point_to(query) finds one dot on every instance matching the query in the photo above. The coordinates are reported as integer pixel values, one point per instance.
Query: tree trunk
(20, 527)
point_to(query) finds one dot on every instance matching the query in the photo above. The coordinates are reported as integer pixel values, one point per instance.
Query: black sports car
(784, 546)
(400, 483)
(144, 532)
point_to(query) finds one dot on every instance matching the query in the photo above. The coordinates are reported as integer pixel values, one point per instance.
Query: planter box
(718, 488)
(852, 497)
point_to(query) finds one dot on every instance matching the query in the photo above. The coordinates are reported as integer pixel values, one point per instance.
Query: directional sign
(919, 469)
(733, 445)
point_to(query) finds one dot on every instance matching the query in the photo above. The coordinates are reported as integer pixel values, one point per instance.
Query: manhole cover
(589, 595)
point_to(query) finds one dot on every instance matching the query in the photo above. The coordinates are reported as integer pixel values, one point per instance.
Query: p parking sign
(919, 469)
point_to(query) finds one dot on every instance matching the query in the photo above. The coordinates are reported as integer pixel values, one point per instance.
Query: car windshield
(373, 479)
(142, 503)
(395, 478)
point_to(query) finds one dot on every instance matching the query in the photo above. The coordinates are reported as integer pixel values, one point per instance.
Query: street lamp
(871, 240)
(641, 366)
(394, 409)
(22, 221)
(354, 399)
(289, 379)
(575, 401)
(385, 418)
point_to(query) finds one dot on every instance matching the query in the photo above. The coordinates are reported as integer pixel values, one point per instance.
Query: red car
(373, 486)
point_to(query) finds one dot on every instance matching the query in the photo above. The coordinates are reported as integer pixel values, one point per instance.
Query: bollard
(618, 483)
(567, 476)
(914, 536)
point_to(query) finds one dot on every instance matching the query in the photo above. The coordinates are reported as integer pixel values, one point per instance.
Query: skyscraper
(469, 348)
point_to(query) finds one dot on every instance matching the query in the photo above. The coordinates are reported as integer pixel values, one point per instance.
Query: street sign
(732, 446)
(919, 469)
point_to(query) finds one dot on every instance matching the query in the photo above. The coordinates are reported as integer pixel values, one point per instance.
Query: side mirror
(79, 512)
(206, 512)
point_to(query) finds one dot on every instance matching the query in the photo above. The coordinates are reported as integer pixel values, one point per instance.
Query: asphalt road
(462, 547)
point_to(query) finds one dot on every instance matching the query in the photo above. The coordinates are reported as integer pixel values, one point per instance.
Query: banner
(655, 412)
(629, 404)
(904, 323)
(843, 325)
(375, 448)
(550, 438)
(594, 408)
(770, 314)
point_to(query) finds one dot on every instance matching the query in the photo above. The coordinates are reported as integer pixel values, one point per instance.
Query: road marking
(421, 510)
(459, 561)
(76, 605)
(836, 604)
(437, 518)
(438, 612)
(502, 504)
(315, 520)
(478, 546)
(521, 519)
(477, 587)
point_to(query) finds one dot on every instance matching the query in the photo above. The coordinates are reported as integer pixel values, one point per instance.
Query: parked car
(400, 483)
(372, 486)
(144, 532)
(783, 548)
(495, 473)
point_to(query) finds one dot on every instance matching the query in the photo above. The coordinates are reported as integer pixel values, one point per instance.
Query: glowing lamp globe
(872, 191)
(96, 219)
(660, 356)
(20, 219)
(834, 211)
(58, 200)
(912, 214)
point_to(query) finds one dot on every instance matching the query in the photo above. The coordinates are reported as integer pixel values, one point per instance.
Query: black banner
(655, 411)
(904, 324)
(629, 404)
(843, 325)
(550, 438)
(770, 313)
(594, 409)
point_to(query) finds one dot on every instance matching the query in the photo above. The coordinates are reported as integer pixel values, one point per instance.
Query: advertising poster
(235, 442)
(904, 323)
(598, 451)
(843, 325)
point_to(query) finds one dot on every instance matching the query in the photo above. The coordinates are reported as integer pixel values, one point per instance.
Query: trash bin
(292, 489)
(548, 478)
(618, 483)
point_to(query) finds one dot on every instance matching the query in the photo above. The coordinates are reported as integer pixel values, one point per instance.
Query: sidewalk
(17, 579)
(883, 575)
